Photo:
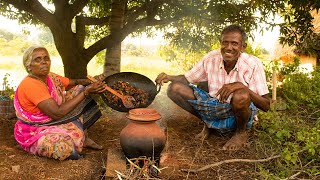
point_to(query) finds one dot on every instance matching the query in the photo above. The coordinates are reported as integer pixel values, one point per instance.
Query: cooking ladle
(128, 101)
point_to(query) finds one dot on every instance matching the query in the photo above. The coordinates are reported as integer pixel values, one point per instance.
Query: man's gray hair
(235, 28)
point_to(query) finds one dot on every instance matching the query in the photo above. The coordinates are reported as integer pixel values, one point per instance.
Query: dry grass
(140, 168)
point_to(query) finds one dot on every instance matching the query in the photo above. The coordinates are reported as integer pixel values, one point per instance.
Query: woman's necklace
(36, 77)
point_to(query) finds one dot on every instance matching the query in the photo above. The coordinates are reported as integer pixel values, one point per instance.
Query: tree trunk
(74, 60)
(113, 55)
(318, 59)
(112, 62)
(274, 86)
(75, 66)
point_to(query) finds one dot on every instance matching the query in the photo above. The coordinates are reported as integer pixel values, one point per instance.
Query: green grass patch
(295, 138)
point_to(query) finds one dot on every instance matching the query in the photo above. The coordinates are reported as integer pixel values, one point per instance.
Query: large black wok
(136, 80)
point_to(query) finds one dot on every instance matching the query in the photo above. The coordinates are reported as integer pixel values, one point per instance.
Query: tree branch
(65, 10)
(95, 21)
(229, 161)
(98, 46)
(80, 30)
(119, 36)
(129, 28)
(82, 21)
(238, 160)
(18, 4)
(62, 10)
(135, 12)
(77, 6)
(60, 6)
(35, 8)
(105, 43)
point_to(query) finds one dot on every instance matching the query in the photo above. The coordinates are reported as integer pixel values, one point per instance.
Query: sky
(15, 27)
(268, 40)
(11, 25)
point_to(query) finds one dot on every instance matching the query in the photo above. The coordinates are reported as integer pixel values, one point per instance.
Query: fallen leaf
(15, 168)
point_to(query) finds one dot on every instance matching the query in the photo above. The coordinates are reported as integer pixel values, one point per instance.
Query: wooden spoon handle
(107, 87)
(126, 100)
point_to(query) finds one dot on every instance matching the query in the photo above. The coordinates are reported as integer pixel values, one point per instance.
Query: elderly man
(236, 88)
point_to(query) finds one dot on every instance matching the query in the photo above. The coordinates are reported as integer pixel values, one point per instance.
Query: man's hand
(228, 89)
(162, 78)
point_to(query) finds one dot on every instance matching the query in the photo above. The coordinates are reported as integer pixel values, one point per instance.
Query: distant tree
(186, 58)
(310, 45)
(6, 35)
(45, 36)
(258, 50)
(14, 47)
(133, 50)
(83, 28)
(297, 30)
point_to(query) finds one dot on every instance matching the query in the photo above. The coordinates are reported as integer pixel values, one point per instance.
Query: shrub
(302, 92)
(6, 103)
(297, 141)
(7, 91)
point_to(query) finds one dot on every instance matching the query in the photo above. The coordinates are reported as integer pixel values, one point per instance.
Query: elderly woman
(52, 121)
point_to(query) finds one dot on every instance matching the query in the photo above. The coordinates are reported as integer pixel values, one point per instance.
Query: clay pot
(142, 136)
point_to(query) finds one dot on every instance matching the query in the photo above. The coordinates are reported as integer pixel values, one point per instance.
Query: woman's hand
(55, 111)
(95, 87)
(100, 77)
(85, 82)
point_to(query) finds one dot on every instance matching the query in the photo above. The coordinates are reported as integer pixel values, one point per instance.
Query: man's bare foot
(204, 134)
(237, 141)
(89, 143)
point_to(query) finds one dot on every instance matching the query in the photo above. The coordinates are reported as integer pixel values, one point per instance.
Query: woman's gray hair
(27, 55)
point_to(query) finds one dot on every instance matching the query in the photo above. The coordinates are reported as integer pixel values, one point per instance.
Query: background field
(149, 66)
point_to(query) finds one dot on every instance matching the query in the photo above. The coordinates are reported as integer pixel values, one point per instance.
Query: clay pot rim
(143, 111)
(144, 118)
(144, 114)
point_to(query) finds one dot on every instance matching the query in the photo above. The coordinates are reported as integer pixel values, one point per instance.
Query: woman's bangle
(85, 92)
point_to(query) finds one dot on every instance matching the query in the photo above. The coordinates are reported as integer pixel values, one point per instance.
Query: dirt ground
(182, 151)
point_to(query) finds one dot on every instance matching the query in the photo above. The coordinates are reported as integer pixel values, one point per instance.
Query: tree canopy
(83, 28)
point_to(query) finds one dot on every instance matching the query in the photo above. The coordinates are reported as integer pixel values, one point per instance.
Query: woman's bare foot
(89, 143)
(237, 141)
(204, 134)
